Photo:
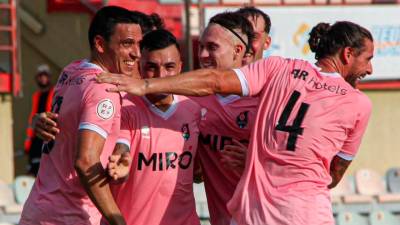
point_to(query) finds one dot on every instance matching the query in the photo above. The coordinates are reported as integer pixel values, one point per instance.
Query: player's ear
(347, 55)
(267, 42)
(238, 51)
(179, 66)
(99, 43)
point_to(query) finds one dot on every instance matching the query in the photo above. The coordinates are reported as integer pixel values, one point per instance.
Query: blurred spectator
(41, 102)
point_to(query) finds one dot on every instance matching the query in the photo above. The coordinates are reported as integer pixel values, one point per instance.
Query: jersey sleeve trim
(123, 141)
(243, 82)
(93, 127)
(345, 156)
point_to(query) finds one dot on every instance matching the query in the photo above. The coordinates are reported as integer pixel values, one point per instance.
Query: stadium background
(55, 32)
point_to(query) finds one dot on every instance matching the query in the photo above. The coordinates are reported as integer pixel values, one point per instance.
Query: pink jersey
(305, 118)
(224, 119)
(163, 145)
(57, 196)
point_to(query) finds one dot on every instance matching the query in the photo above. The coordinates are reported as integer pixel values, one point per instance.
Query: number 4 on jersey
(295, 129)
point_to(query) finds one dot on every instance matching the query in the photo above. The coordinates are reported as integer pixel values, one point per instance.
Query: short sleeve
(353, 141)
(100, 109)
(255, 76)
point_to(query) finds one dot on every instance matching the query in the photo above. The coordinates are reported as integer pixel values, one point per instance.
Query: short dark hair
(326, 40)
(251, 11)
(149, 22)
(232, 21)
(105, 20)
(158, 39)
(156, 21)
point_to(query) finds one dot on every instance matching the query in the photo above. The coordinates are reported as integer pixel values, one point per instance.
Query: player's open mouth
(207, 65)
(129, 62)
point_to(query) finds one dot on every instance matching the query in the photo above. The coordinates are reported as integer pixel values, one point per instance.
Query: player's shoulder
(362, 100)
(187, 101)
(133, 103)
(283, 60)
(188, 104)
(132, 108)
(81, 73)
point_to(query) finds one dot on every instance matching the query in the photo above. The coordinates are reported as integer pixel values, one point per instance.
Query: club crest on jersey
(185, 131)
(145, 132)
(242, 120)
(105, 109)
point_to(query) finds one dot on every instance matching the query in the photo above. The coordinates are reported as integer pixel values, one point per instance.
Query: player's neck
(330, 65)
(95, 59)
(162, 102)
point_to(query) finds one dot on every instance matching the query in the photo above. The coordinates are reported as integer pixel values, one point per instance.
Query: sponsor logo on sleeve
(105, 109)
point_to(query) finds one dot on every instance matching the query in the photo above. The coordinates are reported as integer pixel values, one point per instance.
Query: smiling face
(160, 63)
(217, 49)
(260, 42)
(360, 64)
(122, 51)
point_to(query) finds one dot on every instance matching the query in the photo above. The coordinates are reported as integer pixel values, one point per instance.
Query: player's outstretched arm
(338, 167)
(45, 126)
(93, 176)
(119, 162)
(194, 83)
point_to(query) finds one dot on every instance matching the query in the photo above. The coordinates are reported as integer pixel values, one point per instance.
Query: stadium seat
(344, 187)
(381, 217)
(235, 1)
(7, 201)
(201, 201)
(348, 218)
(393, 180)
(295, 2)
(271, 2)
(358, 1)
(345, 191)
(22, 188)
(370, 183)
(325, 2)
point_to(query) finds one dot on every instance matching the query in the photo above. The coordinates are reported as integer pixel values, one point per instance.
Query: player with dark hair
(149, 22)
(308, 128)
(262, 26)
(160, 131)
(72, 186)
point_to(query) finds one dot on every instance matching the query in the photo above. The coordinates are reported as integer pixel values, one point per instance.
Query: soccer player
(262, 26)
(227, 118)
(161, 131)
(309, 124)
(72, 182)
